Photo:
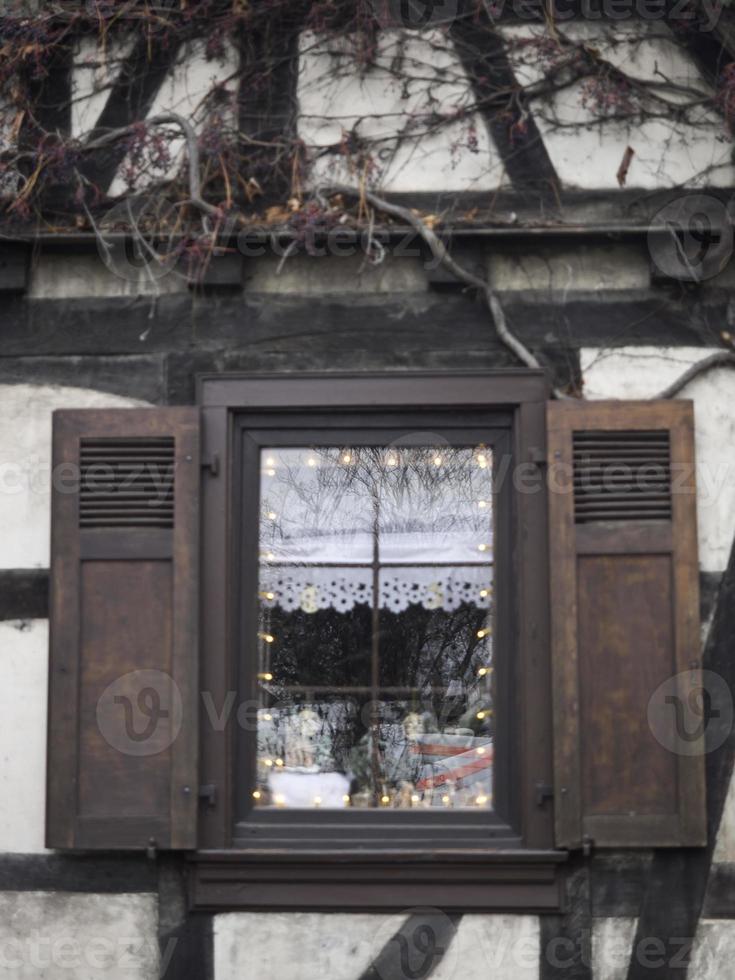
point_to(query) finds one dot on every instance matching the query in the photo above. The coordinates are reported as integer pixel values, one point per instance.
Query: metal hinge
(211, 463)
(208, 794)
(543, 793)
(151, 849)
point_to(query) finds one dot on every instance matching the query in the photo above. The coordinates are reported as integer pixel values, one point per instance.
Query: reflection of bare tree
(363, 670)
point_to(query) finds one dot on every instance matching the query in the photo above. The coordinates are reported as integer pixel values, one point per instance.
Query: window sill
(338, 880)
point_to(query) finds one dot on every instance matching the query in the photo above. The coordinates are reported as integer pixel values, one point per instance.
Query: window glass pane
(375, 662)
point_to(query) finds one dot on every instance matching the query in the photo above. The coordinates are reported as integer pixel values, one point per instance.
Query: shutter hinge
(208, 794)
(150, 851)
(537, 456)
(587, 845)
(543, 793)
(211, 463)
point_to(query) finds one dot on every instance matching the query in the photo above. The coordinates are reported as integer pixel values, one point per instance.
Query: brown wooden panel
(123, 662)
(125, 610)
(625, 652)
(625, 618)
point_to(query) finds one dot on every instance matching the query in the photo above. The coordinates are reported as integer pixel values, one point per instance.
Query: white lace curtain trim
(311, 589)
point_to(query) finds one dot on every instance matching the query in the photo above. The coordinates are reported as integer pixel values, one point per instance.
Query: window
(371, 641)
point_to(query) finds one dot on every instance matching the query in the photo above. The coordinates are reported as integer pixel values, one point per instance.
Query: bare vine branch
(718, 359)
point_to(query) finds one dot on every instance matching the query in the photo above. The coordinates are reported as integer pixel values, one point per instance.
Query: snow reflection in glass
(375, 634)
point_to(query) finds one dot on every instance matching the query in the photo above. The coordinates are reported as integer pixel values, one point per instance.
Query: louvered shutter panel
(123, 671)
(628, 732)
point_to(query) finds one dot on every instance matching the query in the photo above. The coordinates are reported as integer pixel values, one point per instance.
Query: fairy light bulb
(482, 671)
(481, 750)
(481, 460)
(346, 798)
(482, 633)
(437, 461)
(484, 593)
(415, 798)
(317, 801)
(481, 800)
(280, 800)
(270, 471)
(268, 717)
(270, 461)
(446, 800)
(391, 461)
(482, 546)
(311, 461)
(272, 515)
(279, 762)
(385, 799)
(266, 637)
(481, 715)
(346, 457)
(256, 794)
(482, 504)
(267, 676)
(268, 762)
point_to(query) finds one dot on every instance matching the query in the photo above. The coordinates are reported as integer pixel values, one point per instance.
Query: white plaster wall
(54, 936)
(612, 941)
(587, 153)
(713, 953)
(564, 269)
(641, 372)
(335, 99)
(313, 946)
(25, 465)
(24, 671)
(724, 851)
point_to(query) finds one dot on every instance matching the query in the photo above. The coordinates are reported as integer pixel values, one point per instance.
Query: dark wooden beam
(23, 593)
(483, 54)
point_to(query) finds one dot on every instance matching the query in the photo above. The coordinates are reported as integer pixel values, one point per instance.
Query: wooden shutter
(625, 621)
(122, 744)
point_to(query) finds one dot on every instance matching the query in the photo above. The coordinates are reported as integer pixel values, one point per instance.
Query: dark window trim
(504, 877)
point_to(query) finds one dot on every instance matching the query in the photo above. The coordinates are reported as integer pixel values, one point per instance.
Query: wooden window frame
(520, 869)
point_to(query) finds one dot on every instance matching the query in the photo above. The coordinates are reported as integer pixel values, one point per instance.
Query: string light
(482, 671)
(481, 461)
(415, 798)
(391, 461)
(481, 800)
(437, 461)
(270, 472)
(482, 633)
(481, 750)
(268, 762)
(267, 556)
(311, 461)
(266, 637)
(256, 794)
(385, 799)
(481, 714)
(280, 800)
(279, 762)
(345, 798)
(267, 595)
(445, 800)
(265, 677)
(482, 504)
(347, 458)
(272, 515)
(482, 546)
(268, 717)
(270, 461)
(484, 593)
(317, 801)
